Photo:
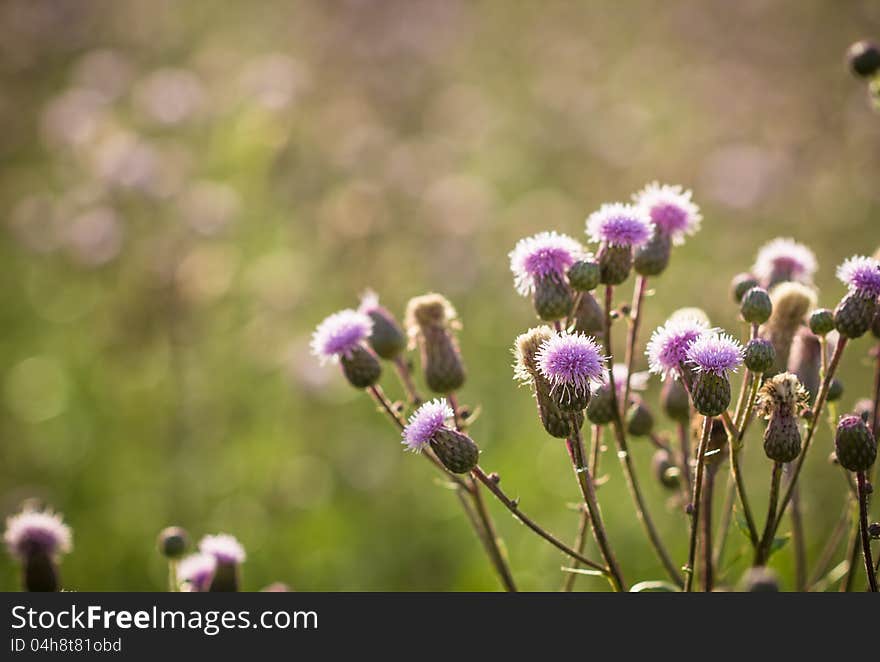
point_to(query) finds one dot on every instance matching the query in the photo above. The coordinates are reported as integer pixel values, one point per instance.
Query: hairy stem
(763, 551)
(632, 339)
(708, 491)
(584, 518)
(863, 525)
(405, 376)
(695, 504)
(797, 539)
(625, 459)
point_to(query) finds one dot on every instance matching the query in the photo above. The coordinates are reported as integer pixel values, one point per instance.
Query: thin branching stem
(861, 482)
(695, 504)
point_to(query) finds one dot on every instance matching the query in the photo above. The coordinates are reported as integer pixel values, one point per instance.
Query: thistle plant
(38, 539)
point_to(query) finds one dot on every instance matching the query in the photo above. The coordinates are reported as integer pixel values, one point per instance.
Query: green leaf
(777, 544)
(654, 587)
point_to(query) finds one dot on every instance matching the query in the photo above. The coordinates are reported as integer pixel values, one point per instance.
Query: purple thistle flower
(541, 255)
(571, 361)
(784, 258)
(671, 210)
(620, 225)
(861, 274)
(196, 572)
(33, 531)
(339, 334)
(716, 353)
(223, 548)
(425, 422)
(669, 344)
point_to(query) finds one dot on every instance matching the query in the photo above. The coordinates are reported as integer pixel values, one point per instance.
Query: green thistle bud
(172, 542)
(429, 320)
(552, 298)
(711, 394)
(756, 306)
(854, 444)
(652, 258)
(601, 408)
(666, 473)
(741, 284)
(822, 321)
(782, 438)
(759, 355)
(835, 390)
(863, 58)
(387, 338)
(589, 317)
(615, 263)
(675, 401)
(458, 452)
(556, 422)
(361, 367)
(854, 314)
(584, 275)
(639, 420)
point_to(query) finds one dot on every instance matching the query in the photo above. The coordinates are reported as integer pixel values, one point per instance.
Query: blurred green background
(187, 189)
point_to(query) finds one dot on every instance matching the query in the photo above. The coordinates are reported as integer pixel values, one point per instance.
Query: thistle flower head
(617, 224)
(716, 353)
(861, 274)
(339, 334)
(670, 209)
(782, 260)
(571, 361)
(669, 344)
(195, 572)
(782, 393)
(33, 531)
(426, 422)
(223, 548)
(544, 254)
(525, 351)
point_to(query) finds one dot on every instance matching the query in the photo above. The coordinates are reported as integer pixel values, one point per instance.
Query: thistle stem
(695, 504)
(513, 507)
(708, 491)
(863, 525)
(636, 318)
(494, 542)
(173, 586)
(797, 539)
(811, 430)
(724, 524)
(588, 491)
(584, 519)
(684, 443)
(763, 551)
(734, 447)
(852, 555)
(625, 459)
(403, 372)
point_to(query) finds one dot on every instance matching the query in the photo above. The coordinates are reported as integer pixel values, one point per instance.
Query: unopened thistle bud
(571, 363)
(665, 471)
(618, 229)
(172, 542)
(756, 306)
(835, 390)
(639, 420)
(428, 427)
(601, 410)
(759, 355)
(783, 260)
(713, 356)
(429, 320)
(38, 539)
(791, 303)
(854, 314)
(556, 422)
(341, 338)
(741, 284)
(584, 275)
(805, 360)
(228, 555)
(673, 215)
(386, 337)
(760, 579)
(539, 266)
(863, 58)
(675, 401)
(822, 321)
(589, 318)
(782, 399)
(854, 444)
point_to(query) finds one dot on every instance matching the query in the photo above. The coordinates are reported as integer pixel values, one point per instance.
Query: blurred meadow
(187, 189)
